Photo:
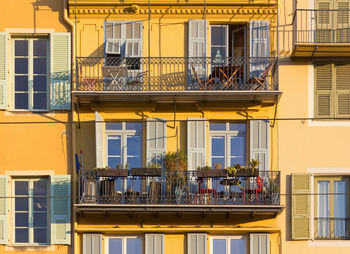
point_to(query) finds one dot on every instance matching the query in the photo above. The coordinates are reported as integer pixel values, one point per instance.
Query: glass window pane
(134, 145)
(218, 35)
(134, 162)
(219, 246)
(340, 209)
(40, 83)
(237, 246)
(21, 66)
(137, 126)
(218, 163)
(21, 83)
(21, 101)
(114, 145)
(40, 66)
(40, 204)
(238, 150)
(113, 161)
(21, 187)
(21, 235)
(40, 219)
(241, 127)
(21, 219)
(40, 235)
(21, 204)
(40, 101)
(218, 146)
(218, 52)
(113, 126)
(323, 209)
(115, 246)
(133, 246)
(21, 48)
(217, 126)
(40, 47)
(40, 187)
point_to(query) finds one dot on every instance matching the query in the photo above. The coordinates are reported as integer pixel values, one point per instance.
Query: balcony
(321, 33)
(187, 79)
(182, 191)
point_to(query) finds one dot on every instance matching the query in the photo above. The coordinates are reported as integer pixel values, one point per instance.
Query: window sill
(28, 248)
(329, 243)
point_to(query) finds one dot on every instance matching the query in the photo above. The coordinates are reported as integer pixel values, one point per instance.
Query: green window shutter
(342, 90)
(197, 32)
(99, 127)
(3, 209)
(155, 140)
(301, 210)
(259, 244)
(196, 243)
(323, 90)
(196, 142)
(60, 84)
(92, 244)
(3, 69)
(154, 244)
(60, 209)
(324, 24)
(260, 143)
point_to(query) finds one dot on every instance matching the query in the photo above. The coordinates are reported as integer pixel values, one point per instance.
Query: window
(331, 212)
(228, 245)
(332, 90)
(124, 245)
(228, 144)
(31, 69)
(124, 144)
(31, 218)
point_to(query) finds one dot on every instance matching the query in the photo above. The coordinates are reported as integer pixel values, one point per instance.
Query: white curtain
(323, 209)
(339, 209)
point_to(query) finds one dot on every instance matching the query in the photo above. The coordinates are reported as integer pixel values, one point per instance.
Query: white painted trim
(321, 243)
(311, 104)
(228, 244)
(329, 171)
(29, 30)
(30, 173)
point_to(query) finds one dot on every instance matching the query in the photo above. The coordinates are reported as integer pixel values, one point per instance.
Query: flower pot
(116, 172)
(146, 171)
(211, 173)
(247, 172)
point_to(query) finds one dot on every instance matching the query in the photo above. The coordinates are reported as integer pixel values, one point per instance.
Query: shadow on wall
(288, 210)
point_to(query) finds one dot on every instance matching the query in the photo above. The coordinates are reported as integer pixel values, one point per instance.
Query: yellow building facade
(35, 120)
(169, 96)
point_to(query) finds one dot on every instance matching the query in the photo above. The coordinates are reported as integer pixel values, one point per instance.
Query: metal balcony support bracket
(315, 49)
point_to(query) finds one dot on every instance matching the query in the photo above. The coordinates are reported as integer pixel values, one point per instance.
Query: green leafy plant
(175, 161)
(155, 165)
(207, 167)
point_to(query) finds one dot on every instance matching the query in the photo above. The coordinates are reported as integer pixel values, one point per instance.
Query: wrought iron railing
(175, 74)
(331, 228)
(322, 26)
(180, 188)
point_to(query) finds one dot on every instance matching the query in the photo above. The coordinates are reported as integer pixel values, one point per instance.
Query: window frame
(228, 239)
(30, 72)
(124, 133)
(331, 180)
(30, 227)
(124, 239)
(228, 134)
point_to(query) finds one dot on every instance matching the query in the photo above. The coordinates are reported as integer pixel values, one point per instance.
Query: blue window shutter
(60, 209)
(3, 70)
(3, 209)
(259, 46)
(260, 143)
(60, 70)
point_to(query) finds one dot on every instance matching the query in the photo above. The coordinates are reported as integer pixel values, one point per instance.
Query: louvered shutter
(60, 209)
(60, 86)
(113, 37)
(3, 69)
(260, 143)
(197, 32)
(154, 244)
(133, 41)
(301, 190)
(259, 46)
(155, 140)
(196, 142)
(323, 94)
(196, 244)
(342, 21)
(3, 209)
(342, 106)
(99, 130)
(92, 244)
(259, 244)
(324, 23)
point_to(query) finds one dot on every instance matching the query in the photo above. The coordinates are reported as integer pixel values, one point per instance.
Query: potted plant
(251, 170)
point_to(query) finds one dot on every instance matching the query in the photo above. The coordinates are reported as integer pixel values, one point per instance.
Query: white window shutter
(196, 243)
(154, 244)
(155, 140)
(260, 143)
(259, 46)
(197, 34)
(3, 209)
(60, 209)
(99, 129)
(92, 244)
(3, 69)
(60, 71)
(259, 244)
(196, 142)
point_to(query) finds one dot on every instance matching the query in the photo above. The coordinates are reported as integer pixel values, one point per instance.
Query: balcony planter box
(146, 171)
(116, 172)
(247, 172)
(207, 173)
